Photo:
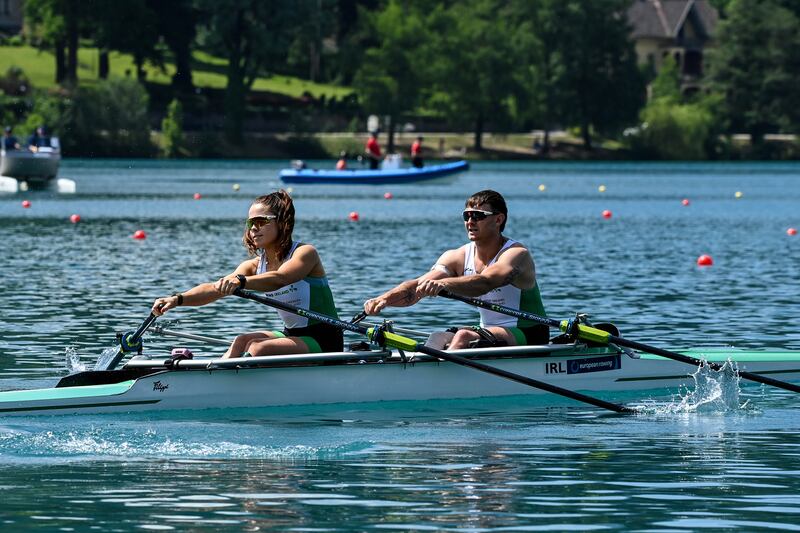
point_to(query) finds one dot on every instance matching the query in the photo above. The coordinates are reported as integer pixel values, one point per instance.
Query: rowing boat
(372, 177)
(148, 383)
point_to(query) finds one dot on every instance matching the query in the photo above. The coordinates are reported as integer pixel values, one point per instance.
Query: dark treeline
(469, 65)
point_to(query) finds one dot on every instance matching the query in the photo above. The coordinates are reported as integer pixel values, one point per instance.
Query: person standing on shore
(416, 153)
(286, 270)
(373, 151)
(492, 267)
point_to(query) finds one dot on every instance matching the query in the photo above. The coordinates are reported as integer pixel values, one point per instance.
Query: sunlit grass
(208, 71)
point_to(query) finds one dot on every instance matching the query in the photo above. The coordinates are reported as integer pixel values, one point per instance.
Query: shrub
(671, 130)
(172, 130)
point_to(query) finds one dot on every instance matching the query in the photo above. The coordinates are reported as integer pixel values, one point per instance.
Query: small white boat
(158, 383)
(24, 169)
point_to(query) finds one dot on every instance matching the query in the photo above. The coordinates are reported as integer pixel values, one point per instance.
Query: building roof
(665, 18)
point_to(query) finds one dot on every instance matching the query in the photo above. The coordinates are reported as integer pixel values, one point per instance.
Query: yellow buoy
(542, 187)
(738, 194)
(236, 187)
(602, 188)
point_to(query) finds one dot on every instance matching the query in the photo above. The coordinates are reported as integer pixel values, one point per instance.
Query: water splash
(713, 391)
(72, 360)
(106, 357)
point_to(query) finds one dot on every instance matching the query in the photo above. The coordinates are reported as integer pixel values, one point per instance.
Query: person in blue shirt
(9, 141)
(39, 139)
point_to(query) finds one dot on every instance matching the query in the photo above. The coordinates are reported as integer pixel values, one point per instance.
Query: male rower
(492, 267)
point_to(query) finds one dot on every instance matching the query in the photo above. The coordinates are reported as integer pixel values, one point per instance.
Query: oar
(603, 337)
(129, 342)
(410, 345)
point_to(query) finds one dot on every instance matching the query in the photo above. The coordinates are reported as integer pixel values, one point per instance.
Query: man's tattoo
(408, 295)
(509, 279)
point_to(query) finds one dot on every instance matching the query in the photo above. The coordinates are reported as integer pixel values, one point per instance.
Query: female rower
(287, 270)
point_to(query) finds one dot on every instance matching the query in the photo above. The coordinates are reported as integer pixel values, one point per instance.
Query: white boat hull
(375, 378)
(35, 168)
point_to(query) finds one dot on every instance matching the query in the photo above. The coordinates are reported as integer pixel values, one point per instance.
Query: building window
(693, 63)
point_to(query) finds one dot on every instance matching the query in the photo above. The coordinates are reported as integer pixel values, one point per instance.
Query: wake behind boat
(148, 383)
(374, 177)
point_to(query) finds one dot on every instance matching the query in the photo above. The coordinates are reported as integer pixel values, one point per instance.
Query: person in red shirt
(416, 153)
(373, 151)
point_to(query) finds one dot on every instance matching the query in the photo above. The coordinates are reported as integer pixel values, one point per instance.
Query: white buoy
(65, 186)
(8, 184)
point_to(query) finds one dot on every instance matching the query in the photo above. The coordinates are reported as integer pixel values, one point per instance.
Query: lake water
(509, 464)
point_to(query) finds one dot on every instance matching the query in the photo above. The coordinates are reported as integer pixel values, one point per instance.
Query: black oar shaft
(404, 343)
(133, 339)
(453, 358)
(758, 378)
(604, 337)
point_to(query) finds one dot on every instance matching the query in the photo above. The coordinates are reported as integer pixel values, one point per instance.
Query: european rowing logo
(160, 387)
(582, 366)
(595, 364)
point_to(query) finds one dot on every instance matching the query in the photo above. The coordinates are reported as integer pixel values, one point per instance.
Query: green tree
(254, 36)
(172, 129)
(540, 70)
(667, 83)
(56, 25)
(387, 81)
(176, 22)
(601, 86)
(471, 82)
(755, 67)
(129, 27)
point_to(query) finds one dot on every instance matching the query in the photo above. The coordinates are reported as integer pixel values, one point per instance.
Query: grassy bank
(207, 72)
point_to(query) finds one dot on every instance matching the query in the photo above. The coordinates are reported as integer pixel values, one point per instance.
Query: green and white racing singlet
(529, 300)
(308, 293)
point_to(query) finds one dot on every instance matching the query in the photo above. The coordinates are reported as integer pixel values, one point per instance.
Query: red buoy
(791, 231)
(354, 216)
(139, 234)
(26, 204)
(388, 195)
(705, 261)
(197, 196)
(685, 201)
(606, 214)
(75, 218)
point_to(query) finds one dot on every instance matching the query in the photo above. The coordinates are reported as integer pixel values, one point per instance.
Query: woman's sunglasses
(476, 214)
(257, 222)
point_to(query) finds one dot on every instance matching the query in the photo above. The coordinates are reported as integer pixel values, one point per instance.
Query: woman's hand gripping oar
(397, 341)
(588, 333)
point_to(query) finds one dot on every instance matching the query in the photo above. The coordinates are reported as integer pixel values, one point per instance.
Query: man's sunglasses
(257, 222)
(476, 214)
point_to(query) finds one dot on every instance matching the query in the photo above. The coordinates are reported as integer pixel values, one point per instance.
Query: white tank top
(507, 295)
(307, 293)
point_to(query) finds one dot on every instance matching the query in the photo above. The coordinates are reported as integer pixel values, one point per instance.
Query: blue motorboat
(362, 176)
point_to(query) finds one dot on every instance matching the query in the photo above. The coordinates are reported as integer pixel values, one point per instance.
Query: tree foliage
(172, 129)
(253, 36)
(756, 67)
(388, 80)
